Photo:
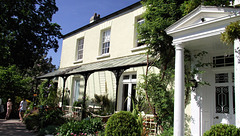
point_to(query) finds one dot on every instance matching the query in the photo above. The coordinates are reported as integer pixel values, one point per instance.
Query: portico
(217, 102)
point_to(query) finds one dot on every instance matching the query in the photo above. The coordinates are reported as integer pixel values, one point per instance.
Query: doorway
(224, 93)
(128, 91)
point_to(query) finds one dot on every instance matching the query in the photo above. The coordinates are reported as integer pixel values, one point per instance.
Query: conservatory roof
(57, 73)
(117, 63)
(110, 64)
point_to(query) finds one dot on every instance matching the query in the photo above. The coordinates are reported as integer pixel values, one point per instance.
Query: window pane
(221, 78)
(222, 99)
(80, 49)
(222, 61)
(140, 21)
(106, 41)
(126, 77)
(125, 96)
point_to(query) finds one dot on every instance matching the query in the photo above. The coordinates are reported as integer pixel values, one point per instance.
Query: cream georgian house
(105, 57)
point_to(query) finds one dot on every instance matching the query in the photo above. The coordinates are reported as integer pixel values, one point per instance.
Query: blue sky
(73, 14)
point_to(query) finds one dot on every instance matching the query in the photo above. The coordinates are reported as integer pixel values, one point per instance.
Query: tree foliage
(12, 83)
(41, 66)
(158, 16)
(161, 96)
(26, 31)
(231, 33)
(190, 5)
(26, 35)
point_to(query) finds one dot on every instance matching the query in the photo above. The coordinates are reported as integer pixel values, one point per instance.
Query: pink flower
(75, 134)
(85, 134)
(71, 133)
(57, 133)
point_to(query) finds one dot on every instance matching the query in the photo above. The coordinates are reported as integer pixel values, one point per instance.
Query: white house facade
(217, 102)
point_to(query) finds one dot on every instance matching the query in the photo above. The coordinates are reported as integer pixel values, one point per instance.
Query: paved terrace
(14, 127)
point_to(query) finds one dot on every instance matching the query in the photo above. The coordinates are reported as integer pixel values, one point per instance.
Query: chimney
(95, 17)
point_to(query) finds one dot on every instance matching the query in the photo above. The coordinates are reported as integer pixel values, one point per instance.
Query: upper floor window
(105, 41)
(80, 43)
(139, 23)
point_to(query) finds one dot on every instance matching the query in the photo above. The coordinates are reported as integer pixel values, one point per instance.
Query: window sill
(78, 61)
(103, 56)
(140, 48)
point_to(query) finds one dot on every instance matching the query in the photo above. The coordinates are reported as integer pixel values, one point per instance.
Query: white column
(179, 92)
(237, 81)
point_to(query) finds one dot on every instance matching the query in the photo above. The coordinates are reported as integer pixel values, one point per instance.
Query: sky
(73, 14)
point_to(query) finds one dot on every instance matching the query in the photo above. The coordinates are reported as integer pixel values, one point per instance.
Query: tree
(26, 31)
(26, 35)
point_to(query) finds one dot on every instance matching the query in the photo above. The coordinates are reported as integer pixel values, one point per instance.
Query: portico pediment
(202, 22)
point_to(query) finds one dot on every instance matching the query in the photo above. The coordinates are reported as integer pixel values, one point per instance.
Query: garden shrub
(52, 117)
(223, 130)
(83, 127)
(32, 122)
(122, 123)
(49, 130)
(44, 118)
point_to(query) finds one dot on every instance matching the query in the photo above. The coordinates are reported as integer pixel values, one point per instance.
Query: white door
(128, 91)
(224, 94)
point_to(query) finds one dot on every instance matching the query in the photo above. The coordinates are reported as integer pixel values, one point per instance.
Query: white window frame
(105, 44)
(136, 47)
(79, 49)
(140, 21)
